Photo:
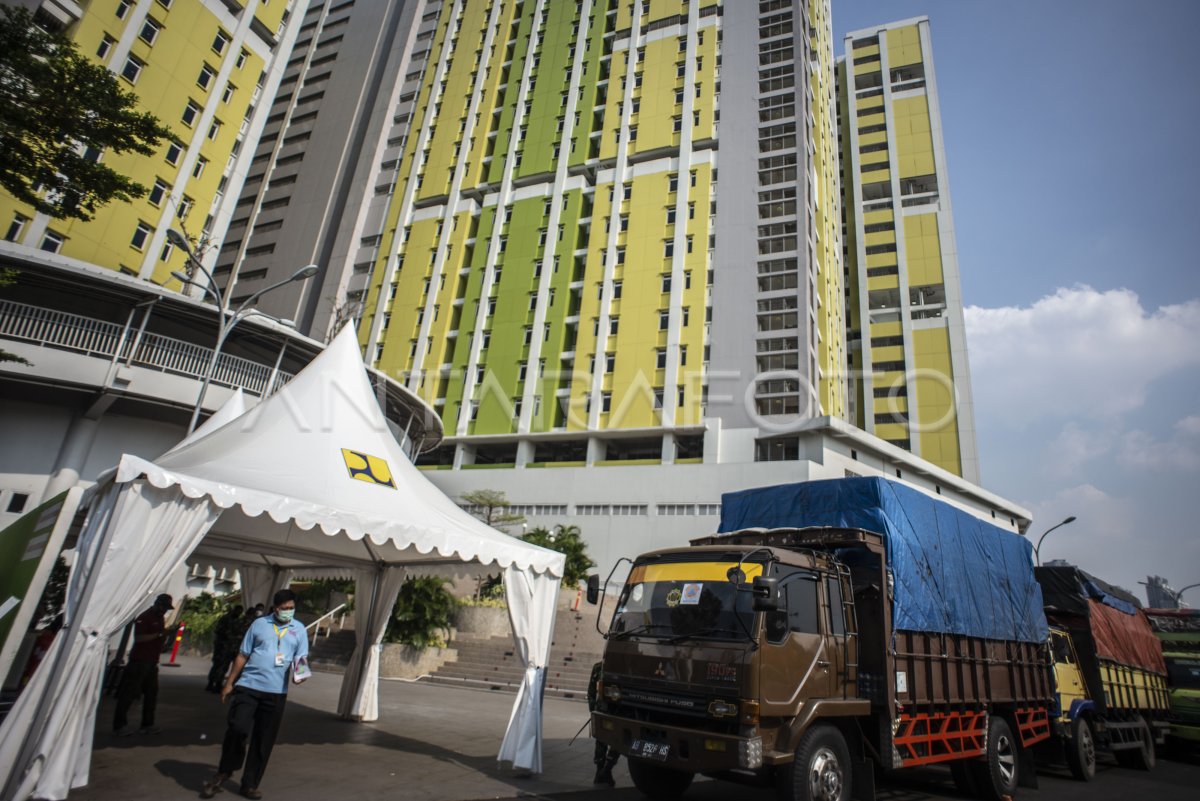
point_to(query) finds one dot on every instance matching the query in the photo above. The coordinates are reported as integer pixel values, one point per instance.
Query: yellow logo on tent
(370, 469)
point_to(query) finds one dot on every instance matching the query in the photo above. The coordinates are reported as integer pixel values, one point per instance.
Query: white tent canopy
(310, 478)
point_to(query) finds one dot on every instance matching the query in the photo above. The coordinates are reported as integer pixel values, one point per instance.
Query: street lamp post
(1179, 595)
(225, 324)
(1037, 549)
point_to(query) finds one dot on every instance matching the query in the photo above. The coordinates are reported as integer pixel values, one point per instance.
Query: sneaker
(125, 731)
(251, 792)
(150, 730)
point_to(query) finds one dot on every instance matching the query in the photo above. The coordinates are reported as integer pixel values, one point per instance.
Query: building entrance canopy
(309, 479)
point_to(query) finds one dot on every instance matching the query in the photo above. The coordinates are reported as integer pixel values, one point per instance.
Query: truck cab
(717, 658)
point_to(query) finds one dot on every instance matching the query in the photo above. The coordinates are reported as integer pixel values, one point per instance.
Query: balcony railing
(101, 338)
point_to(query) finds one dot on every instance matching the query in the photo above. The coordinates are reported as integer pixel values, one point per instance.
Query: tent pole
(70, 634)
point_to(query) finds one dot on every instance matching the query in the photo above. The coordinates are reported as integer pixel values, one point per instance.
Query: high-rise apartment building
(605, 216)
(203, 68)
(602, 238)
(908, 352)
(321, 178)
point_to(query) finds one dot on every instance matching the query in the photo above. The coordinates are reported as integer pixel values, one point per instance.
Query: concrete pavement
(431, 743)
(438, 743)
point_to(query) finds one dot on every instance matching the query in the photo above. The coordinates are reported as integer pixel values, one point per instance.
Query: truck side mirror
(593, 588)
(766, 594)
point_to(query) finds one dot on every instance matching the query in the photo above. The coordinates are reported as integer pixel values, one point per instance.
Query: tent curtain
(532, 604)
(259, 583)
(118, 572)
(374, 596)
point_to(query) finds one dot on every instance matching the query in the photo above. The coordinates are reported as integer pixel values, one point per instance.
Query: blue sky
(1071, 130)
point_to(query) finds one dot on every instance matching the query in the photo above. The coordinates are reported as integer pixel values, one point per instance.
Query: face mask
(285, 615)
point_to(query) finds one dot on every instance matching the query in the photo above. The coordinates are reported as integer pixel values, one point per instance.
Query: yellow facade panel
(903, 46)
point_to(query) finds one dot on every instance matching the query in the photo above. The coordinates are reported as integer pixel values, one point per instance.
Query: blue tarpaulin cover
(952, 572)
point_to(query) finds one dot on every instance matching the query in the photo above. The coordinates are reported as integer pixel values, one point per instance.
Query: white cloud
(1077, 353)
(1073, 448)
(1140, 450)
(1189, 425)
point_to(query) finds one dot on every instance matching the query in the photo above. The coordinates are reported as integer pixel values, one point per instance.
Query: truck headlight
(722, 709)
(612, 693)
(750, 753)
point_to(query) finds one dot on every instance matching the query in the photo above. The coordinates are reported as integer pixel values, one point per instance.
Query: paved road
(1170, 781)
(435, 743)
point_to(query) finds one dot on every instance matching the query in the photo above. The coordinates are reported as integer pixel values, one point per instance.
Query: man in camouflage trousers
(228, 636)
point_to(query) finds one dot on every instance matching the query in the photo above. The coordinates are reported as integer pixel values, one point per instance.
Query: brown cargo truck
(773, 657)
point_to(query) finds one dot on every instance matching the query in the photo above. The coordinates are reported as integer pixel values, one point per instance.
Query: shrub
(200, 613)
(421, 617)
(566, 540)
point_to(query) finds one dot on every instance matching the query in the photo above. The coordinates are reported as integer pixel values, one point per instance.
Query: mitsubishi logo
(660, 671)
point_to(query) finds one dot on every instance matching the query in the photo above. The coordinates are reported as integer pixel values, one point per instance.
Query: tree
(58, 113)
(566, 540)
(491, 507)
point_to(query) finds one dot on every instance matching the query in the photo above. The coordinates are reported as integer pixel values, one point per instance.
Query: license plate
(649, 749)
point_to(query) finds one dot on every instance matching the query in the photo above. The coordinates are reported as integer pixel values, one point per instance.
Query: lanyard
(280, 634)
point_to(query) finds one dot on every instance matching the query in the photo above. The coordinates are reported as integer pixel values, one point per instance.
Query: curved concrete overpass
(115, 366)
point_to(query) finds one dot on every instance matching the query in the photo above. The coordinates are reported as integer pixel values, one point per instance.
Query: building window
(174, 151)
(16, 228)
(106, 46)
(668, 248)
(220, 42)
(241, 59)
(140, 235)
(660, 357)
(123, 8)
(227, 95)
(158, 192)
(198, 170)
(52, 241)
(673, 182)
(190, 113)
(132, 69)
(214, 130)
(205, 79)
(664, 320)
(666, 283)
(605, 402)
(185, 207)
(149, 31)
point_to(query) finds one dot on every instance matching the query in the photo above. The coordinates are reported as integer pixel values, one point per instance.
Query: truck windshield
(685, 599)
(1183, 674)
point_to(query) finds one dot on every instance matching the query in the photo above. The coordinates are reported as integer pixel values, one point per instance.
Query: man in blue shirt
(257, 685)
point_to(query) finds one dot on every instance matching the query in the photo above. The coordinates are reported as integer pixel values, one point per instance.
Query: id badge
(279, 662)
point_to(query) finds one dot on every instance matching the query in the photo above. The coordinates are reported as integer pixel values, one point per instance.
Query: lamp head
(178, 240)
(305, 273)
(181, 277)
(1070, 519)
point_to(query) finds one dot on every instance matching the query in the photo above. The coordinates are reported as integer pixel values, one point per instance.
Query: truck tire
(1141, 758)
(658, 782)
(821, 770)
(996, 776)
(1081, 750)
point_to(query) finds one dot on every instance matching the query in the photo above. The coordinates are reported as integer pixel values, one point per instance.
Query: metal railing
(101, 338)
(314, 628)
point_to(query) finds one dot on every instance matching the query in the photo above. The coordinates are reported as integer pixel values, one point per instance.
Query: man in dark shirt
(140, 676)
(226, 640)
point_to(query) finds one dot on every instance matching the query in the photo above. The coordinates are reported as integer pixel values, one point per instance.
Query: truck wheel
(821, 770)
(996, 776)
(1081, 750)
(658, 782)
(1143, 758)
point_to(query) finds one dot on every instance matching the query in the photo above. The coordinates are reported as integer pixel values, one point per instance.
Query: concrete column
(76, 446)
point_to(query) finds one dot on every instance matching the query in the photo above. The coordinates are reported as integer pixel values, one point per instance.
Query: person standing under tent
(256, 689)
(226, 639)
(140, 676)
